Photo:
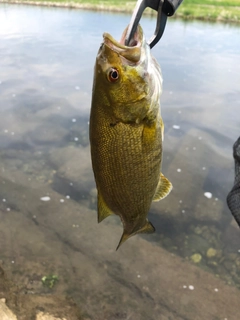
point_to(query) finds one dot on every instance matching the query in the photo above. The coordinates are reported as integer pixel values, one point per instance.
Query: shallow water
(46, 69)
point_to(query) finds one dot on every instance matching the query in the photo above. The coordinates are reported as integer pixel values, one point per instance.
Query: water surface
(46, 61)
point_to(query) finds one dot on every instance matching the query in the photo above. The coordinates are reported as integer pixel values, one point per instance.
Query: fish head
(125, 79)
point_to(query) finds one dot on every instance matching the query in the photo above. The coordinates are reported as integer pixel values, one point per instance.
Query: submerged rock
(211, 253)
(47, 316)
(73, 165)
(5, 312)
(187, 201)
(196, 258)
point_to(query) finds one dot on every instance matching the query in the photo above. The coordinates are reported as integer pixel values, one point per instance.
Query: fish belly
(126, 161)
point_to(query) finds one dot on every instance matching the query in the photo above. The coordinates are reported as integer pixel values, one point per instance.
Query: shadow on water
(48, 207)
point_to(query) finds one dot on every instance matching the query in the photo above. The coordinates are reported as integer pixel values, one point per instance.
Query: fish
(126, 132)
(233, 198)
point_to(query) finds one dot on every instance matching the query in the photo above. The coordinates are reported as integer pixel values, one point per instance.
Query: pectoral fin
(147, 228)
(163, 189)
(103, 210)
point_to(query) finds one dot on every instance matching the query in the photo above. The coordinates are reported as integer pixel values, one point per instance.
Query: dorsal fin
(103, 210)
(164, 187)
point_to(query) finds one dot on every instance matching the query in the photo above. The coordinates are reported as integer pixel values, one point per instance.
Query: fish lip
(135, 42)
(112, 43)
(131, 53)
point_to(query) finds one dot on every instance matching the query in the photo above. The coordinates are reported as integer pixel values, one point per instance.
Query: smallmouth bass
(126, 133)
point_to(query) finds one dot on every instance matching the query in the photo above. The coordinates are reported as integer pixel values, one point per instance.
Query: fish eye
(113, 75)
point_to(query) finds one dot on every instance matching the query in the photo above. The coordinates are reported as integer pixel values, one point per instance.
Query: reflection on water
(46, 62)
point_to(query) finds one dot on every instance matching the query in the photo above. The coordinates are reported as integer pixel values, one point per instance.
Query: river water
(48, 202)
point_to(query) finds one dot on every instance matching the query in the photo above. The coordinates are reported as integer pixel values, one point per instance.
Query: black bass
(126, 133)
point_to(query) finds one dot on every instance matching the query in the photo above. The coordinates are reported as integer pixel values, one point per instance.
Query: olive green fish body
(126, 134)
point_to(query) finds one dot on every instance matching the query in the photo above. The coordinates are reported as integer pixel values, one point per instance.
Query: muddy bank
(140, 281)
(18, 305)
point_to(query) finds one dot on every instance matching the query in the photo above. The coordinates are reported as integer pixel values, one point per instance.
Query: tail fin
(124, 238)
(147, 228)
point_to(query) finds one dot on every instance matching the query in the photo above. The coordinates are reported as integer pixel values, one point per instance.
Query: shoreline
(119, 9)
(71, 5)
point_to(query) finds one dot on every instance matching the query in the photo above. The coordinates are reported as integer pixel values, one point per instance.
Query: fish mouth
(131, 52)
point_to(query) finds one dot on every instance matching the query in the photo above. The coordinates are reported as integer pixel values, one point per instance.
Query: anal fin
(164, 187)
(103, 210)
